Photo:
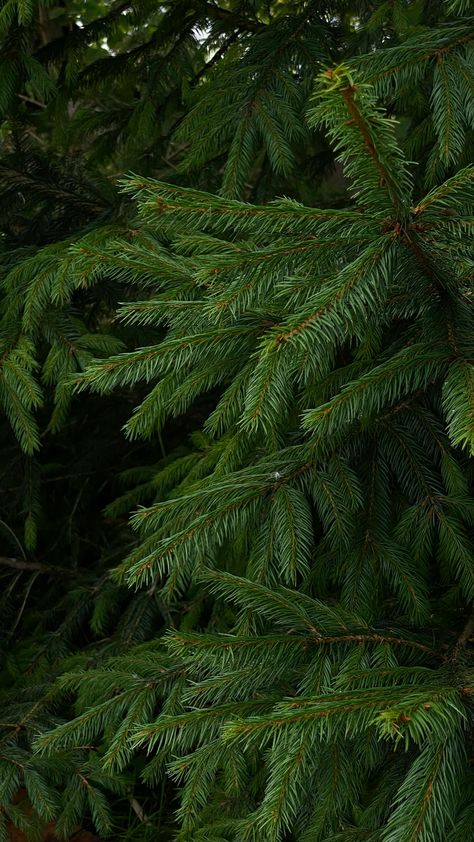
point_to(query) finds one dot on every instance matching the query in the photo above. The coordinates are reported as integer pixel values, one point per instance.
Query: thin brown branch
(386, 179)
(33, 566)
(138, 810)
(216, 57)
(464, 638)
(31, 101)
(233, 18)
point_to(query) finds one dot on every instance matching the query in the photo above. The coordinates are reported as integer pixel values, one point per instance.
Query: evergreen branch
(180, 643)
(419, 816)
(458, 400)
(385, 384)
(244, 24)
(355, 708)
(394, 62)
(190, 724)
(43, 188)
(386, 178)
(379, 169)
(207, 212)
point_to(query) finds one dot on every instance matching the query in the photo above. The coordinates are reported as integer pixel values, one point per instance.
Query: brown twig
(464, 637)
(33, 566)
(31, 101)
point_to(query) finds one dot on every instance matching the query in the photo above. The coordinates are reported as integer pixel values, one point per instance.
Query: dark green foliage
(280, 648)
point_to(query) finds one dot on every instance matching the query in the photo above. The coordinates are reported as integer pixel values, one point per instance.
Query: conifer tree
(62, 142)
(310, 551)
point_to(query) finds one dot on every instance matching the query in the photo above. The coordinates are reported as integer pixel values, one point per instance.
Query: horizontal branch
(33, 566)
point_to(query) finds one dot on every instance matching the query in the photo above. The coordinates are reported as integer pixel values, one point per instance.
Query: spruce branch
(386, 178)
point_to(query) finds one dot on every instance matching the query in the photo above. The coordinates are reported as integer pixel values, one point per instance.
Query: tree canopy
(237, 393)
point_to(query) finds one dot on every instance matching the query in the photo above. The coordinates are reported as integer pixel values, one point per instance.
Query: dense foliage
(238, 416)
